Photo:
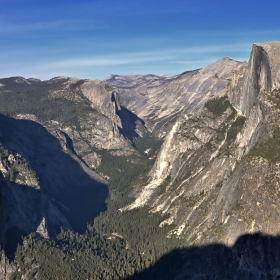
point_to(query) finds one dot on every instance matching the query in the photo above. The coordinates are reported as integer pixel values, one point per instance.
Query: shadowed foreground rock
(252, 257)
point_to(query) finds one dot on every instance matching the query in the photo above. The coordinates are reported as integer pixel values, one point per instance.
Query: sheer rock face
(205, 176)
(261, 74)
(159, 99)
(273, 53)
(103, 99)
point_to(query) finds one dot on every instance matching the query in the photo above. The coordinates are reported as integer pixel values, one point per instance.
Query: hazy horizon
(93, 39)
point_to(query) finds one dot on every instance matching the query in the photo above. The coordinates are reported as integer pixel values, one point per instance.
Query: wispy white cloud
(192, 62)
(60, 25)
(175, 55)
(108, 60)
(238, 32)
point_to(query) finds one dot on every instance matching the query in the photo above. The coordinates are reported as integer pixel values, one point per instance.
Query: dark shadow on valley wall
(68, 197)
(254, 257)
(131, 122)
(20, 213)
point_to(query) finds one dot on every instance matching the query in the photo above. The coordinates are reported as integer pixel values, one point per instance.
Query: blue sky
(93, 39)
